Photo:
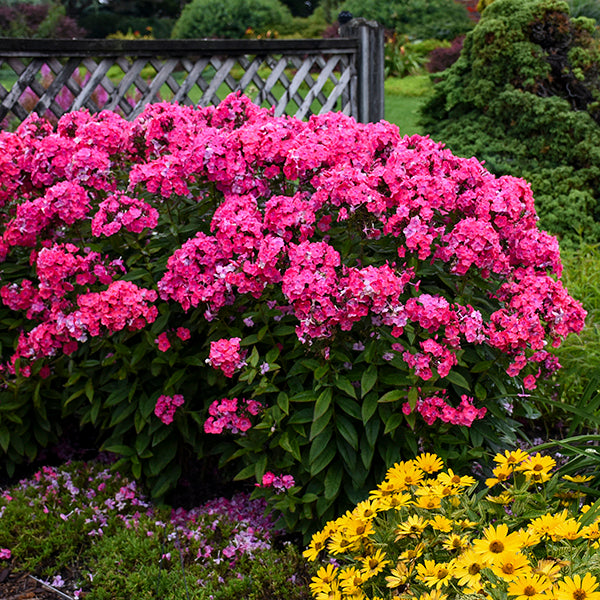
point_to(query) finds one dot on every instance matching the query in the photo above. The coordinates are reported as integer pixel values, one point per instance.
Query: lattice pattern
(293, 84)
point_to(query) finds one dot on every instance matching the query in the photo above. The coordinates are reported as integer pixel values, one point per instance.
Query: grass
(403, 100)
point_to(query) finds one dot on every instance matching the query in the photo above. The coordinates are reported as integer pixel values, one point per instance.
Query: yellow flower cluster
(427, 533)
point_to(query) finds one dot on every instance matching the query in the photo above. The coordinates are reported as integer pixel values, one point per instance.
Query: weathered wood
(274, 72)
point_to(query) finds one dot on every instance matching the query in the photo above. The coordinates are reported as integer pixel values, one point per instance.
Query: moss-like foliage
(524, 97)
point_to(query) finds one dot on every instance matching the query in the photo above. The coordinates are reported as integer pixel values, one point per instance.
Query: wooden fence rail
(300, 77)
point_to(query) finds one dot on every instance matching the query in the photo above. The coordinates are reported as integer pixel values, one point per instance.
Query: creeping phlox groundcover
(296, 287)
(427, 533)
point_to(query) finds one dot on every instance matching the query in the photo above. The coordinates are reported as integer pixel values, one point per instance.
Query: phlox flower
(5, 554)
(166, 406)
(225, 355)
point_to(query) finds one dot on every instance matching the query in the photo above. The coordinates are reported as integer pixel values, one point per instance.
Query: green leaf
(323, 460)
(245, 473)
(319, 444)
(347, 430)
(323, 403)
(89, 389)
(163, 454)
(260, 467)
(484, 365)
(283, 402)
(369, 406)
(343, 383)
(4, 438)
(321, 371)
(166, 482)
(368, 380)
(457, 379)
(392, 396)
(366, 454)
(319, 425)
(393, 422)
(333, 481)
(290, 445)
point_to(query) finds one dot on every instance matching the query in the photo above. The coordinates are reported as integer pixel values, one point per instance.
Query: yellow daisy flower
(428, 502)
(429, 463)
(455, 543)
(404, 475)
(501, 474)
(496, 542)
(549, 568)
(546, 524)
(374, 564)
(411, 554)
(576, 588)
(325, 577)
(385, 488)
(450, 478)
(435, 574)
(317, 544)
(351, 580)
(413, 527)
(367, 509)
(529, 587)
(396, 501)
(511, 565)
(441, 523)
(591, 532)
(399, 576)
(537, 467)
(467, 569)
(433, 595)
(339, 543)
(511, 457)
(578, 478)
(567, 530)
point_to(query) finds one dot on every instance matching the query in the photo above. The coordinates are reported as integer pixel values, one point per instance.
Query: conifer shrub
(231, 19)
(524, 96)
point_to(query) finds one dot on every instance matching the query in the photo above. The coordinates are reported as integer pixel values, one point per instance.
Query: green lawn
(403, 99)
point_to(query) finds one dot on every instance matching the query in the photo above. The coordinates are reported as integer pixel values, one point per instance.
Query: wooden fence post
(371, 107)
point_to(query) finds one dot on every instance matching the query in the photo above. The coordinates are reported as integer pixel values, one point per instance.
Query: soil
(23, 586)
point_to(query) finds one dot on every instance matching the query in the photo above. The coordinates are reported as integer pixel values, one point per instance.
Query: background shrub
(441, 58)
(524, 97)
(38, 21)
(230, 20)
(419, 19)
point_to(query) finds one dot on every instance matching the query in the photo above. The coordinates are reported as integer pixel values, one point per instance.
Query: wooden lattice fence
(299, 77)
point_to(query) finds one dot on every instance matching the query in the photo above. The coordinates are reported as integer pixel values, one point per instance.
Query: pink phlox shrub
(166, 406)
(342, 226)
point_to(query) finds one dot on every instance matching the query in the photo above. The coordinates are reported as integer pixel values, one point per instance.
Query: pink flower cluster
(225, 355)
(279, 483)
(342, 223)
(436, 407)
(166, 407)
(231, 414)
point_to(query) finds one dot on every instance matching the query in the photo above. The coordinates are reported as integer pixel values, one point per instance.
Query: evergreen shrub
(524, 96)
(231, 19)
